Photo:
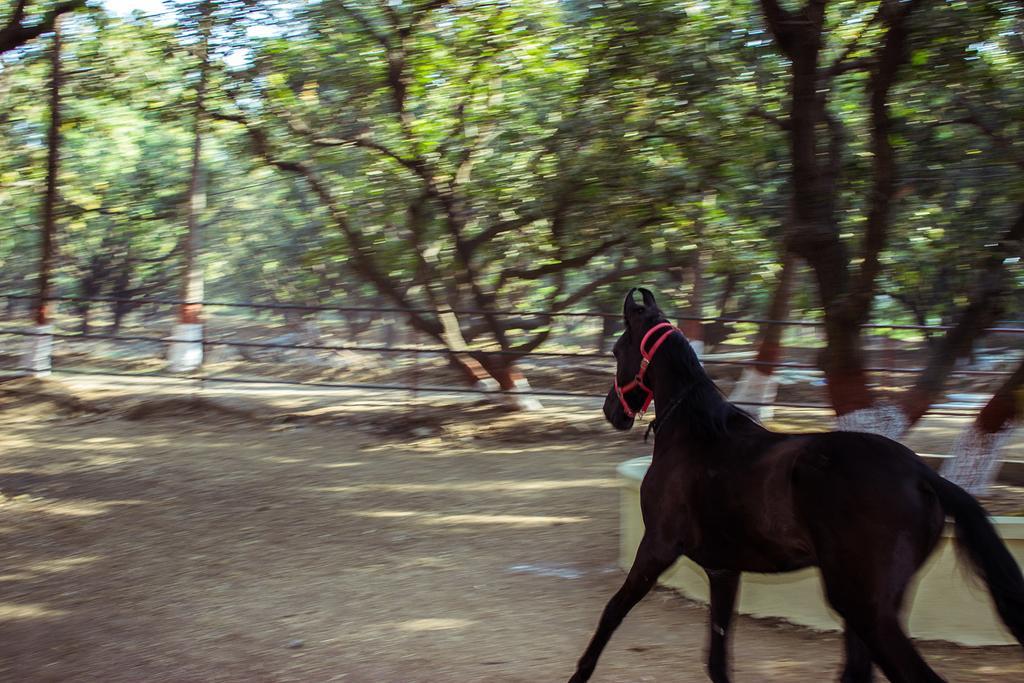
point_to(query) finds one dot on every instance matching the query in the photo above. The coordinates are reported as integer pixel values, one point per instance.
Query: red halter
(638, 381)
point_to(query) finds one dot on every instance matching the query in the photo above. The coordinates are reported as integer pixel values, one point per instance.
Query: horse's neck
(672, 381)
(691, 405)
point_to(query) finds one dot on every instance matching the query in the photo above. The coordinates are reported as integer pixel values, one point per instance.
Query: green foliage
(512, 154)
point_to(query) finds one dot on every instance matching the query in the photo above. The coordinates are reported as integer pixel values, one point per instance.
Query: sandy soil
(218, 546)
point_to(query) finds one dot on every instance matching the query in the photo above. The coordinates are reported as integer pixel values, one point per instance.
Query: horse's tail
(986, 551)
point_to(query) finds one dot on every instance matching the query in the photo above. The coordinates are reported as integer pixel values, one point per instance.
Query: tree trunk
(691, 324)
(609, 326)
(357, 325)
(757, 385)
(510, 379)
(975, 461)
(38, 359)
(120, 310)
(186, 352)
(91, 284)
(84, 309)
(491, 372)
(122, 295)
(812, 230)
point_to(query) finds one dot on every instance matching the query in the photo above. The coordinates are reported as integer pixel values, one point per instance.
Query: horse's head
(631, 393)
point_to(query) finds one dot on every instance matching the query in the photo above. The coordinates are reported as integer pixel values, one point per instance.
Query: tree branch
(366, 25)
(892, 56)
(574, 262)
(1004, 406)
(19, 12)
(782, 122)
(843, 64)
(836, 140)
(792, 28)
(592, 286)
(501, 227)
(780, 23)
(365, 142)
(362, 253)
(974, 118)
(15, 33)
(983, 307)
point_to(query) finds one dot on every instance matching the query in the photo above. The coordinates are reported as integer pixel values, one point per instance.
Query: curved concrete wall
(947, 603)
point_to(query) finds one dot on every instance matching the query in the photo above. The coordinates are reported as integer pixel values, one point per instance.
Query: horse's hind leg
(871, 605)
(858, 668)
(894, 652)
(724, 587)
(873, 524)
(651, 560)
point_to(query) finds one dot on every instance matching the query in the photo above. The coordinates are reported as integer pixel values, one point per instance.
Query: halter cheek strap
(646, 356)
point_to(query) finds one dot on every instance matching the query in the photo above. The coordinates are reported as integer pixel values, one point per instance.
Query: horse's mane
(698, 402)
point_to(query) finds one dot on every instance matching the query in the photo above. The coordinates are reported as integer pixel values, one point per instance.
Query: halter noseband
(638, 381)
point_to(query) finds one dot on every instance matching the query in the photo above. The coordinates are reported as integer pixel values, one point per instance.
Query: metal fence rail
(428, 350)
(417, 351)
(200, 379)
(256, 305)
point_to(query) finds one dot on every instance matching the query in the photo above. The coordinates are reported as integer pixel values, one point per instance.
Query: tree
(470, 170)
(975, 461)
(38, 359)
(186, 351)
(847, 293)
(126, 165)
(16, 33)
(814, 231)
(757, 384)
(475, 164)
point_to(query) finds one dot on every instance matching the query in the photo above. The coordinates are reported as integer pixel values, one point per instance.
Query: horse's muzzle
(614, 413)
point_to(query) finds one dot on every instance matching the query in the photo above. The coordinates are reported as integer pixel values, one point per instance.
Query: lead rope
(653, 426)
(649, 428)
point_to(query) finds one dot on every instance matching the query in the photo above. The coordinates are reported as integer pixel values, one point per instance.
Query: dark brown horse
(734, 497)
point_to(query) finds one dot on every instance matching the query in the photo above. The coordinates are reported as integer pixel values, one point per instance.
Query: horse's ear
(649, 301)
(629, 305)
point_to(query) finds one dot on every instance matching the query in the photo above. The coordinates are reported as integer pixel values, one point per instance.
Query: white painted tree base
(884, 419)
(38, 357)
(487, 384)
(698, 347)
(186, 351)
(975, 462)
(755, 387)
(524, 402)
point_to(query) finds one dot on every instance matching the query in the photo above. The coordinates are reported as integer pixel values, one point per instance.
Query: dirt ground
(376, 546)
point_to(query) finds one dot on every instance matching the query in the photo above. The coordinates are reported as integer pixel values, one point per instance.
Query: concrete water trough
(946, 603)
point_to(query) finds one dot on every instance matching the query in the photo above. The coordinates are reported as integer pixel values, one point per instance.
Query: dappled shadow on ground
(193, 548)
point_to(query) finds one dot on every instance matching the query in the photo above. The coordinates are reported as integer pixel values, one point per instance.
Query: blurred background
(424, 215)
(457, 194)
(470, 187)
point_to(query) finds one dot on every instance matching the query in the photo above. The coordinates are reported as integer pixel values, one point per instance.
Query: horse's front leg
(724, 587)
(652, 558)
